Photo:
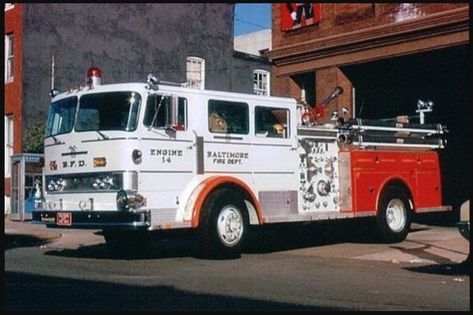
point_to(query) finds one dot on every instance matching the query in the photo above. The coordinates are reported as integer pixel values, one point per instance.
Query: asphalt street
(314, 267)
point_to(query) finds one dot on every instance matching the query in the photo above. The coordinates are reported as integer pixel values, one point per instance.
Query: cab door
(168, 150)
(275, 160)
(227, 145)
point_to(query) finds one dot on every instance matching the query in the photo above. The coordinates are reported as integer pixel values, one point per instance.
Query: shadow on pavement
(449, 218)
(282, 237)
(22, 293)
(453, 269)
(423, 252)
(20, 240)
(163, 248)
(266, 239)
(444, 265)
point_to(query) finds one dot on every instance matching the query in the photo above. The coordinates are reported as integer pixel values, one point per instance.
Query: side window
(158, 112)
(228, 117)
(61, 116)
(182, 113)
(271, 122)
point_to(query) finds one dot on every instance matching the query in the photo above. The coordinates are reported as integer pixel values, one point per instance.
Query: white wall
(252, 43)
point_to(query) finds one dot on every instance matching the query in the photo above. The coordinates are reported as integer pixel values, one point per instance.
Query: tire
(124, 243)
(223, 226)
(394, 216)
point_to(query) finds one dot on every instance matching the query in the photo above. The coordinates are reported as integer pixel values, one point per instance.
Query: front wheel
(224, 225)
(394, 216)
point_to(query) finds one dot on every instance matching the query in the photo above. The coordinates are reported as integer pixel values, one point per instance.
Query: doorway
(391, 87)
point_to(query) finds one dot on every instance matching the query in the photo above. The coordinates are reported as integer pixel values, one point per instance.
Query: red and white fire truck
(136, 157)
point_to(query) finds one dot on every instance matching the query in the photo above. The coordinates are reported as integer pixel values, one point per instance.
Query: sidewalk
(27, 228)
(60, 238)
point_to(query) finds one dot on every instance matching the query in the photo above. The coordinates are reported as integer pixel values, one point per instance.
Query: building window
(261, 82)
(9, 6)
(9, 58)
(195, 74)
(8, 144)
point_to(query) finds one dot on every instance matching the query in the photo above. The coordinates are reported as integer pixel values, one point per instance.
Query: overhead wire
(253, 24)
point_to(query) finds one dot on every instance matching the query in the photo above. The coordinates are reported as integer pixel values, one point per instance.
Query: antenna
(52, 71)
(53, 91)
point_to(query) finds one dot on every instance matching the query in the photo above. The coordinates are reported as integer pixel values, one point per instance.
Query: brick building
(179, 42)
(386, 56)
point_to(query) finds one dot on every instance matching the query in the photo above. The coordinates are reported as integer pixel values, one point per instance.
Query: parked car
(464, 224)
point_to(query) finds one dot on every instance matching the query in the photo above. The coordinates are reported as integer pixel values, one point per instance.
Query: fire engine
(132, 158)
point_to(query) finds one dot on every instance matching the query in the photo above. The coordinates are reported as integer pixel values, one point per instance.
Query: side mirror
(172, 114)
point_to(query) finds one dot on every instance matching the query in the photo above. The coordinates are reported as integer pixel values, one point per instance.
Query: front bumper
(130, 220)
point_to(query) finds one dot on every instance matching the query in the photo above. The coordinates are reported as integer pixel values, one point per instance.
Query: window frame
(261, 82)
(9, 142)
(190, 81)
(286, 124)
(9, 58)
(53, 126)
(127, 128)
(221, 102)
(185, 104)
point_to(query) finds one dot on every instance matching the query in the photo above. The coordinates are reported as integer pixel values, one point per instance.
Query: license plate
(64, 218)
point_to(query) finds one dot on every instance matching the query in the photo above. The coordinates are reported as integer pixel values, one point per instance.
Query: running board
(317, 216)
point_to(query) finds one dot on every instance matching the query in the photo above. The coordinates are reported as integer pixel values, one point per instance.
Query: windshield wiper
(56, 141)
(104, 137)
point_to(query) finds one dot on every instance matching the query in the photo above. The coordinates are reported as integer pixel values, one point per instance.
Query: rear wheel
(223, 225)
(394, 216)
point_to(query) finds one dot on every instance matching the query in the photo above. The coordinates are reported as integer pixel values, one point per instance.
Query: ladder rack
(377, 133)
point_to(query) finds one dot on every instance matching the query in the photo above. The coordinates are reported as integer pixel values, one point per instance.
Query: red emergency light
(94, 76)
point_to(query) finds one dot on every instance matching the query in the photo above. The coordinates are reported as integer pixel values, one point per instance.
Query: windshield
(108, 111)
(61, 116)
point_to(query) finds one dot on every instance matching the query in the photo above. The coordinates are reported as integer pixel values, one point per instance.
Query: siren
(94, 76)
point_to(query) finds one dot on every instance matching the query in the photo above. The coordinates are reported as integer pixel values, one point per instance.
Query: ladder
(379, 133)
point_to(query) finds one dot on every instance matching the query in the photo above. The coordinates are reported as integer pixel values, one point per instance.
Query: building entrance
(391, 87)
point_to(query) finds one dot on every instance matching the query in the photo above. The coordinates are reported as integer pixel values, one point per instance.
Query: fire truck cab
(137, 157)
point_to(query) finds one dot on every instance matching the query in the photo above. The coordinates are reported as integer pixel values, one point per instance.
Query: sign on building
(297, 15)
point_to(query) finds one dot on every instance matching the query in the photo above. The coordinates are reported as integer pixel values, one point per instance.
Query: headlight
(92, 182)
(56, 184)
(128, 200)
(105, 182)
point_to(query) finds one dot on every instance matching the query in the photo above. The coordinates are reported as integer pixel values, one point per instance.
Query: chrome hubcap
(396, 215)
(230, 225)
